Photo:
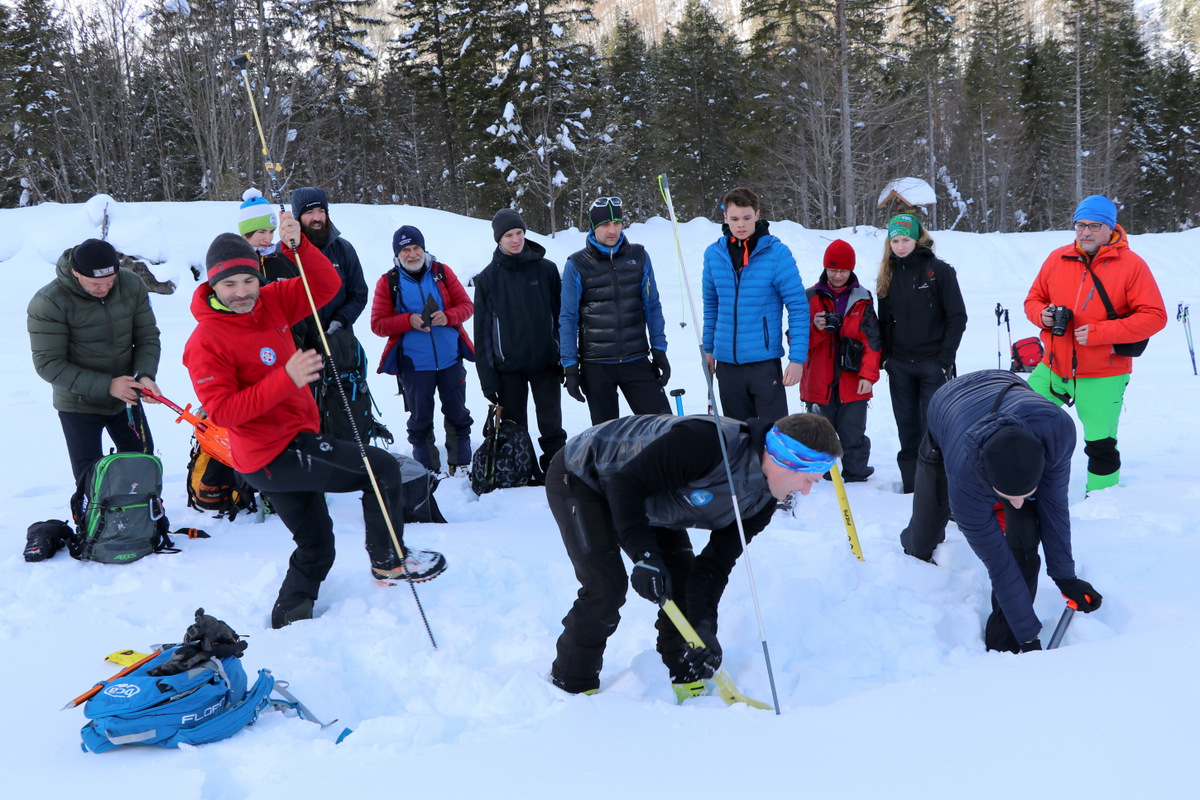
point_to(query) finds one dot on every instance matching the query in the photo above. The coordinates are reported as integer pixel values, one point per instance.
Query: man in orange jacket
(1088, 341)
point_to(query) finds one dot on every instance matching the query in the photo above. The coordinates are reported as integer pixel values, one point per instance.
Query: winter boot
(419, 566)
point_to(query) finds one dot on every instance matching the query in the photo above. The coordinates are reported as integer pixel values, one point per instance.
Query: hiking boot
(560, 684)
(419, 566)
(859, 478)
(686, 691)
(281, 618)
(454, 470)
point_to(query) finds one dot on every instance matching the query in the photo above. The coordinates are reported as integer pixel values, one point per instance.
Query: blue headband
(790, 454)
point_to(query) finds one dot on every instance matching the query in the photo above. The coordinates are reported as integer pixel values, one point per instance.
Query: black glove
(571, 380)
(703, 662)
(1080, 595)
(492, 397)
(650, 578)
(658, 360)
(207, 638)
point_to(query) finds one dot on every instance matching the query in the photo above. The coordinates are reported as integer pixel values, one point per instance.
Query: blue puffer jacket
(961, 421)
(743, 310)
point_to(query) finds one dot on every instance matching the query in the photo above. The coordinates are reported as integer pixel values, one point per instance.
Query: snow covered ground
(884, 685)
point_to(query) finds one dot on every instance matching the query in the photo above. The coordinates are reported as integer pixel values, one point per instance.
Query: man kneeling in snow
(252, 379)
(635, 484)
(990, 437)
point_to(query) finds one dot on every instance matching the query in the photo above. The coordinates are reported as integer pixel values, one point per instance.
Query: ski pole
(240, 62)
(999, 313)
(1009, 328)
(678, 395)
(1060, 630)
(1182, 316)
(847, 517)
(665, 189)
(92, 692)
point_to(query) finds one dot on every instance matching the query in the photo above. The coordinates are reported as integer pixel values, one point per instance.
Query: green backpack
(118, 510)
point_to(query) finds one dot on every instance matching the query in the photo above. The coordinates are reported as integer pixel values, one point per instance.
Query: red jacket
(860, 324)
(386, 322)
(236, 362)
(1064, 281)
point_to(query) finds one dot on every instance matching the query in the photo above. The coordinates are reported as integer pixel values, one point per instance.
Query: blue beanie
(1097, 208)
(405, 236)
(309, 197)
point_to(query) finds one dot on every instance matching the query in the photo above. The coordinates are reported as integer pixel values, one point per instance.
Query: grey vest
(600, 452)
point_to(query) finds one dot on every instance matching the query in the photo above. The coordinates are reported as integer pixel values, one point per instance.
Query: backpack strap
(1108, 306)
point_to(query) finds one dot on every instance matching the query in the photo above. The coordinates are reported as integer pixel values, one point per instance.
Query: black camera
(1062, 318)
(832, 321)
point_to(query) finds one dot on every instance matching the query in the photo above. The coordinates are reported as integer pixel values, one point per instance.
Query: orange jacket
(1065, 281)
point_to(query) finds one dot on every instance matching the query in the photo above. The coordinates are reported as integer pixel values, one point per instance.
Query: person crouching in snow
(252, 379)
(636, 484)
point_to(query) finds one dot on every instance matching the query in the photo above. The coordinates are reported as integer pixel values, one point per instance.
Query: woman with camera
(921, 321)
(843, 357)
(1097, 303)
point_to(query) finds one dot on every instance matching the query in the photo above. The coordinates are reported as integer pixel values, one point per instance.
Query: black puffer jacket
(517, 300)
(923, 317)
(80, 342)
(612, 316)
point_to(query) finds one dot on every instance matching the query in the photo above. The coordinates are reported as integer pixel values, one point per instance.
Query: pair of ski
(721, 684)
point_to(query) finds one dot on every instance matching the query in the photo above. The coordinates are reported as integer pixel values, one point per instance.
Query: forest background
(1012, 109)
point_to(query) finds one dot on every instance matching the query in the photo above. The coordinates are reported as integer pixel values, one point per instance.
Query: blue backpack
(206, 703)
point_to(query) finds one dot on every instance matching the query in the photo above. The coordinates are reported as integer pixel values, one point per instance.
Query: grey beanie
(505, 220)
(230, 254)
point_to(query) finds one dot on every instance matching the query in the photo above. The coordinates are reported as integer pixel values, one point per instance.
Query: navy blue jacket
(351, 299)
(961, 421)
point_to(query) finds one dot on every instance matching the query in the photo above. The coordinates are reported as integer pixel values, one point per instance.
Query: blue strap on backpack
(206, 703)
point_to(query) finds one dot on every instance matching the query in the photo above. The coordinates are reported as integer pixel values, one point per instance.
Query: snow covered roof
(913, 191)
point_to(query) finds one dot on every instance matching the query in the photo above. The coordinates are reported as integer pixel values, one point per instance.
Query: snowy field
(885, 688)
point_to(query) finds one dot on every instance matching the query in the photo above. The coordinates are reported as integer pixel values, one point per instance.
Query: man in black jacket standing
(609, 300)
(310, 206)
(636, 484)
(517, 299)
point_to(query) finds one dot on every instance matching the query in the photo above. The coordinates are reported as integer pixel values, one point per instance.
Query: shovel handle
(92, 692)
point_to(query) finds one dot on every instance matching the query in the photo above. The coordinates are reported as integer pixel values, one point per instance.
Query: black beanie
(505, 220)
(307, 197)
(1013, 460)
(230, 254)
(95, 258)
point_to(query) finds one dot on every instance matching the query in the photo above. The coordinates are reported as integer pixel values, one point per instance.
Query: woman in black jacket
(921, 319)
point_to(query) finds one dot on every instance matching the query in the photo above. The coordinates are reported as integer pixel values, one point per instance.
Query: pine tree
(28, 90)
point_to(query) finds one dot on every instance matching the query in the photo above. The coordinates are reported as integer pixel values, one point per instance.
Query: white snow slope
(884, 685)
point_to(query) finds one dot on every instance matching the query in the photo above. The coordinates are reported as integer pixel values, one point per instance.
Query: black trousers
(637, 380)
(127, 429)
(752, 390)
(546, 388)
(295, 483)
(451, 386)
(850, 422)
(585, 522)
(912, 384)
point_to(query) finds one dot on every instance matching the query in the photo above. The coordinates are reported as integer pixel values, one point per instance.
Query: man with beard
(310, 206)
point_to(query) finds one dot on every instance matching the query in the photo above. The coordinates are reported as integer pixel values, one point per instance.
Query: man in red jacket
(252, 379)
(1086, 339)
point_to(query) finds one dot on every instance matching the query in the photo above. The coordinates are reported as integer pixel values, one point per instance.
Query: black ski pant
(637, 380)
(585, 522)
(546, 388)
(850, 422)
(752, 390)
(930, 503)
(295, 483)
(1023, 534)
(127, 429)
(418, 387)
(912, 385)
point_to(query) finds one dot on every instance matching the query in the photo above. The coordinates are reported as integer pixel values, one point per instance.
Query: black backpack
(118, 510)
(419, 486)
(216, 487)
(351, 362)
(505, 459)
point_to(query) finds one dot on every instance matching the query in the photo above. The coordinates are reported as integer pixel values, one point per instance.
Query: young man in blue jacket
(749, 276)
(609, 305)
(991, 438)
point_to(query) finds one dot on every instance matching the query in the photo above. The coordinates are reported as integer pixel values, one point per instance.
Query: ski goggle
(796, 456)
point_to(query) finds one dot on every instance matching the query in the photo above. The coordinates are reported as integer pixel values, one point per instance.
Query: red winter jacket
(1064, 281)
(386, 322)
(860, 324)
(236, 362)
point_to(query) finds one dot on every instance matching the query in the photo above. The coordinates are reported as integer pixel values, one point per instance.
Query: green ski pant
(1098, 403)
